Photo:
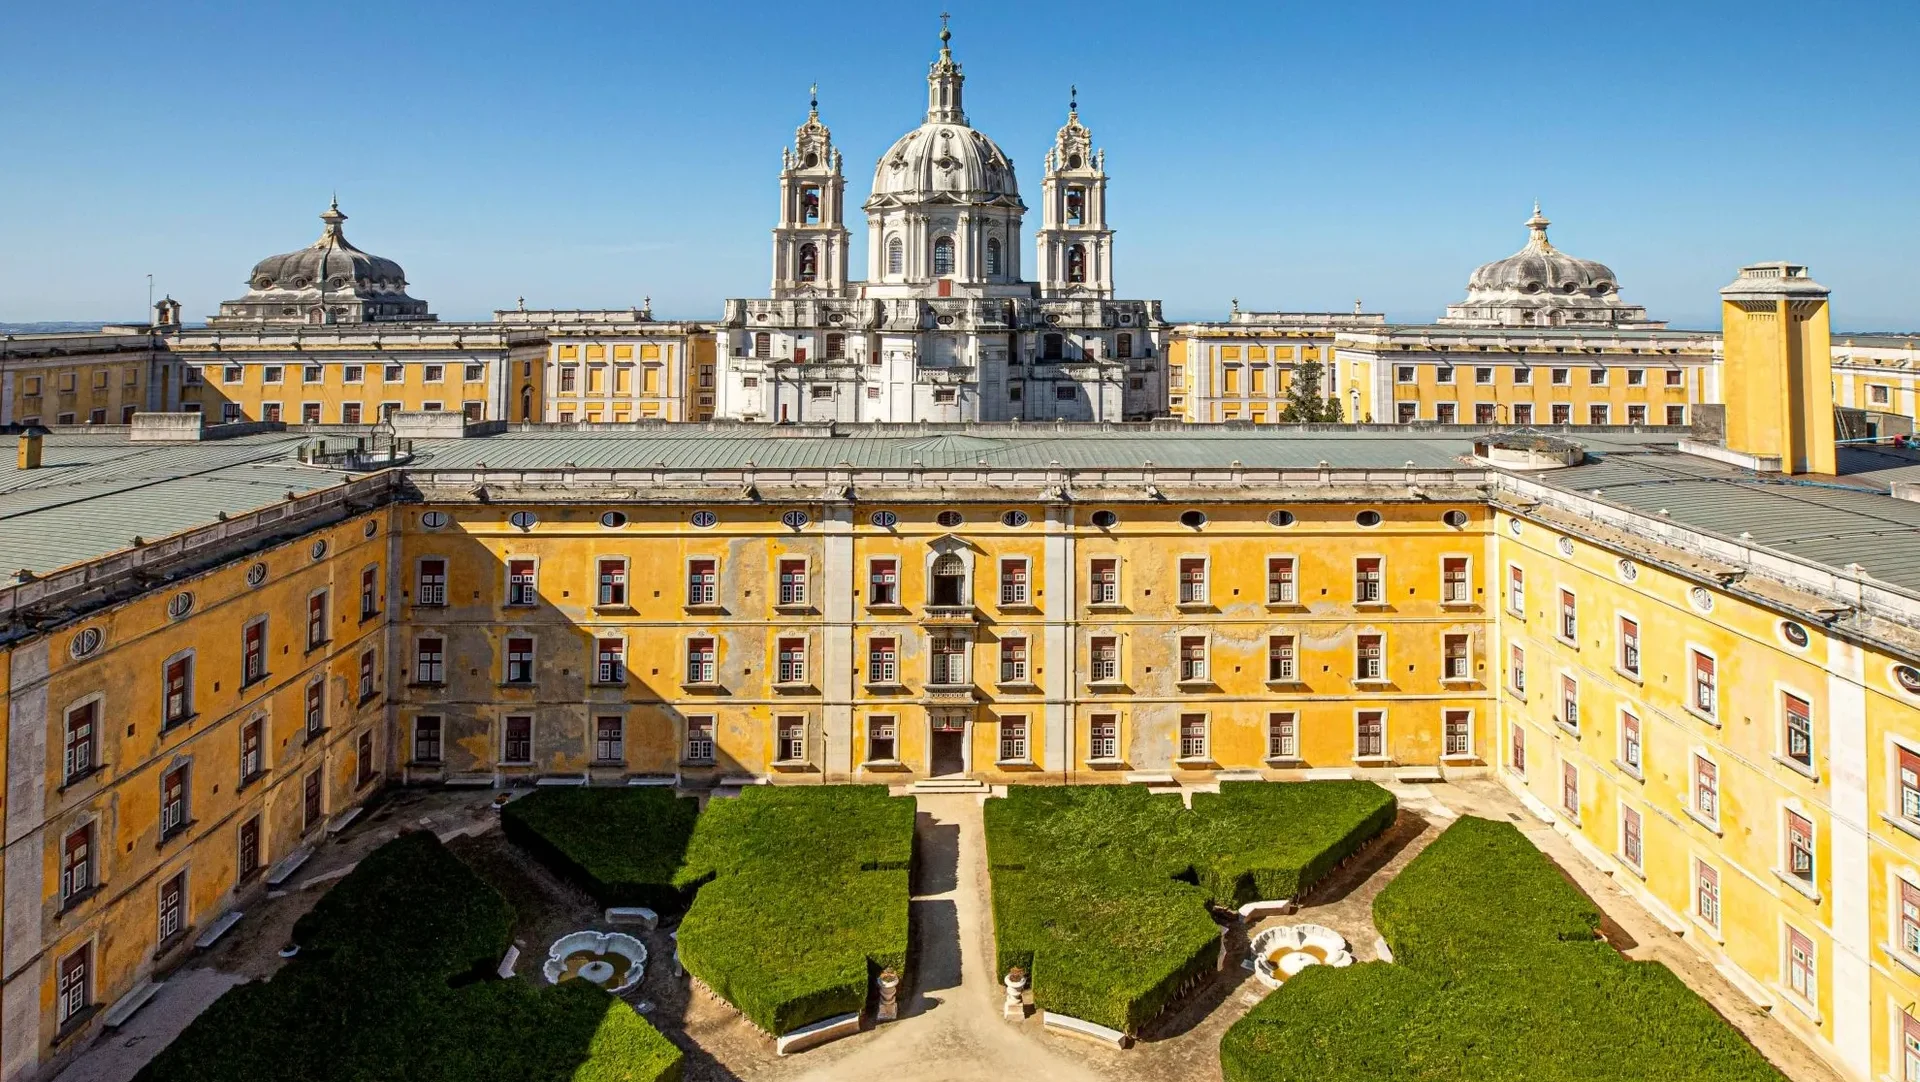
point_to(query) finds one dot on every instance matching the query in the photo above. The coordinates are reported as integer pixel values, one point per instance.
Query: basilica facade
(948, 324)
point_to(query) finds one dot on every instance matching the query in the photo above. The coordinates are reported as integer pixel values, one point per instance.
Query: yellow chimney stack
(30, 448)
(1777, 378)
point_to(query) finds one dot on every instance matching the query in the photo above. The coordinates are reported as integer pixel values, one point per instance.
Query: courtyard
(951, 1024)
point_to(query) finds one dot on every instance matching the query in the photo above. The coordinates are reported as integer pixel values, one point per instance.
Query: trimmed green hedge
(386, 987)
(1101, 892)
(1498, 977)
(802, 897)
(623, 845)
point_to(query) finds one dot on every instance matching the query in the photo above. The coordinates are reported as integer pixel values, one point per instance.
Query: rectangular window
(613, 581)
(316, 707)
(1483, 375)
(1193, 736)
(253, 652)
(1013, 582)
(249, 848)
(1013, 738)
(1454, 588)
(1457, 733)
(1367, 585)
(1909, 785)
(1370, 735)
(1630, 645)
(949, 664)
(610, 661)
(1369, 657)
(1706, 903)
(883, 582)
(367, 662)
(74, 993)
(791, 739)
(1281, 662)
(317, 620)
(791, 661)
(435, 373)
(883, 661)
(1910, 918)
(396, 373)
(1522, 411)
(1560, 376)
(1443, 373)
(609, 739)
(1800, 847)
(703, 582)
(433, 583)
(1630, 836)
(1105, 658)
(369, 592)
(474, 373)
(1517, 749)
(1706, 694)
(516, 744)
(1516, 591)
(1878, 394)
(1570, 790)
(1523, 375)
(1630, 740)
(1636, 415)
(1403, 373)
(173, 801)
(1801, 975)
(1797, 716)
(1283, 736)
(522, 586)
(1193, 582)
(312, 801)
(431, 666)
(1193, 659)
(1570, 700)
(253, 761)
(1675, 377)
(426, 740)
(1517, 669)
(82, 752)
(793, 583)
(1013, 661)
(1676, 415)
(1446, 413)
(363, 760)
(1104, 579)
(1456, 658)
(1706, 788)
(1599, 415)
(1103, 739)
(700, 739)
(1569, 617)
(519, 661)
(700, 666)
(76, 864)
(1281, 588)
(1562, 413)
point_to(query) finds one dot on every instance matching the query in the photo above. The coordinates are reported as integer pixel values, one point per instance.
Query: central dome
(945, 159)
(1542, 286)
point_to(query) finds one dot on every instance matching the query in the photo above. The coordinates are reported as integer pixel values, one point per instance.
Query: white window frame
(1016, 582)
(1289, 585)
(1380, 583)
(1205, 675)
(1692, 700)
(1383, 755)
(1181, 584)
(1466, 581)
(1186, 753)
(1094, 585)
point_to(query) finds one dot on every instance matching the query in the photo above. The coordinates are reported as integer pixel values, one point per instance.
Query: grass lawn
(624, 845)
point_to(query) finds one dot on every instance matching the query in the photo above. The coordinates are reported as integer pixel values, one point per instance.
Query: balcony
(950, 616)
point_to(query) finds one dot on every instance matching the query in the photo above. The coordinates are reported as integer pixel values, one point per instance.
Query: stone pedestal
(889, 1007)
(1016, 1005)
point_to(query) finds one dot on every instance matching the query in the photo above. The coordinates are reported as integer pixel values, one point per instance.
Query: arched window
(809, 263)
(1123, 344)
(949, 580)
(943, 257)
(896, 263)
(1050, 347)
(993, 255)
(1077, 263)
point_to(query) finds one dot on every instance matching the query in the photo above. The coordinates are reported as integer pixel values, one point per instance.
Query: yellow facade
(1879, 374)
(1240, 370)
(618, 374)
(83, 379)
(1779, 368)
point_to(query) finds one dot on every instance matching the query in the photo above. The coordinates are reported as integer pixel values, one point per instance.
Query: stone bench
(664, 781)
(126, 1005)
(1151, 779)
(343, 820)
(818, 1033)
(1329, 773)
(218, 928)
(1419, 775)
(1275, 907)
(507, 962)
(562, 779)
(1080, 1027)
(288, 865)
(1239, 774)
(633, 914)
(739, 781)
(470, 781)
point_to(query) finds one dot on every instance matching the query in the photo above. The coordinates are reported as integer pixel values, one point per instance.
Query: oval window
(523, 519)
(886, 520)
(613, 520)
(86, 642)
(1281, 518)
(433, 520)
(1701, 598)
(1628, 570)
(1105, 519)
(1795, 634)
(1368, 518)
(1193, 520)
(1566, 546)
(370, 528)
(948, 519)
(1014, 518)
(1456, 519)
(704, 519)
(318, 549)
(256, 574)
(794, 519)
(1908, 678)
(180, 604)
(1513, 526)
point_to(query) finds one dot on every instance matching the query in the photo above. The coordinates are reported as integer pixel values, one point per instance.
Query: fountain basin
(1280, 953)
(612, 960)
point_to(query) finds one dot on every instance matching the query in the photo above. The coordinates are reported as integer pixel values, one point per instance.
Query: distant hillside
(57, 327)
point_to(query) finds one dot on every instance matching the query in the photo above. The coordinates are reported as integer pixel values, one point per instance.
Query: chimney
(30, 440)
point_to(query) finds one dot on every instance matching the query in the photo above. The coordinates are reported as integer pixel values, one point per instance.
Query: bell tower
(1076, 247)
(810, 243)
(1778, 369)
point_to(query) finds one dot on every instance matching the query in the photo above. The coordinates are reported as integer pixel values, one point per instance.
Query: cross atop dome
(944, 82)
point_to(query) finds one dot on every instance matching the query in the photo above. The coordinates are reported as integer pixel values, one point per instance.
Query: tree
(1306, 402)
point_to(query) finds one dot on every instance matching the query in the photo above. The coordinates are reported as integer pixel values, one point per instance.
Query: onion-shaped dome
(1540, 268)
(329, 281)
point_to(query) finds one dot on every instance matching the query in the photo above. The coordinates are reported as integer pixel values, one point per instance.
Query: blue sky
(1291, 155)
